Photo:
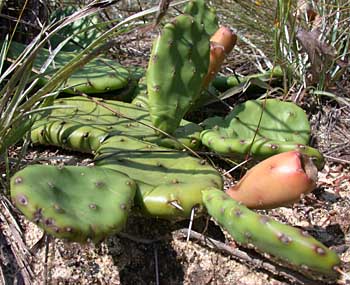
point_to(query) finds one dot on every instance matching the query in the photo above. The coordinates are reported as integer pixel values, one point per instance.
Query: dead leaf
(320, 53)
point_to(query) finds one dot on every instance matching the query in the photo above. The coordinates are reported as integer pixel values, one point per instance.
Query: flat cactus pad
(170, 182)
(84, 125)
(287, 243)
(100, 75)
(74, 202)
(260, 128)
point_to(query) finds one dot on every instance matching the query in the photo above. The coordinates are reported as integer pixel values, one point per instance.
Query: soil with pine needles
(156, 252)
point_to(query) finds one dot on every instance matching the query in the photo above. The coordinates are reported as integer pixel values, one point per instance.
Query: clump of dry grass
(308, 39)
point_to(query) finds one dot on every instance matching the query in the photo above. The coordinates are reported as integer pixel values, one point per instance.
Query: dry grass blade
(14, 236)
(14, 112)
(3, 54)
(162, 9)
(275, 30)
(2, 277)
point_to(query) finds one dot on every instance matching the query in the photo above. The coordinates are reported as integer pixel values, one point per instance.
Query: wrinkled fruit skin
(277, 181)
(291, 245)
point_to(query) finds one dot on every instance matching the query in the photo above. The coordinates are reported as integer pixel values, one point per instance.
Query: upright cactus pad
(288, 244)
(98, 76)
(76, 203)
(166, 178)
(85, 125)
(283, 127)
(178, 63)
(203, 15)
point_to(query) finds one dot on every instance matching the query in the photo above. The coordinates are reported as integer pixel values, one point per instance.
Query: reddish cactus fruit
(277, 181)
(221, 44)
(224, 37)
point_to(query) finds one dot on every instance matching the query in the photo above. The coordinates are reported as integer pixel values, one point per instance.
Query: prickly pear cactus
(178, 63)
(223, 83)
(98, 76)
(81, 124)
(84, 30)
(283, 127)
(288, 244)
(140, 95)
(203, 14)
(170, 182)
(75, 203)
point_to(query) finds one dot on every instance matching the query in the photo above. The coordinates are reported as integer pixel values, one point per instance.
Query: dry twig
(14, 237)
(253, 260)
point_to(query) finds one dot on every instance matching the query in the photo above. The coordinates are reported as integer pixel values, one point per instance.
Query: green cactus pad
(84, 29)
(74, 202)
(223, 83)
(202, 14)
(207, 96)
(165, 177)
(140, 95)
(85, 125)
(178, 63)
(288, 244)
(283, 127)
(100, 75)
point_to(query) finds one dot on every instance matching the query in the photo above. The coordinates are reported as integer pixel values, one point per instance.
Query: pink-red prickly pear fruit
(221, 44)
(277, 181)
